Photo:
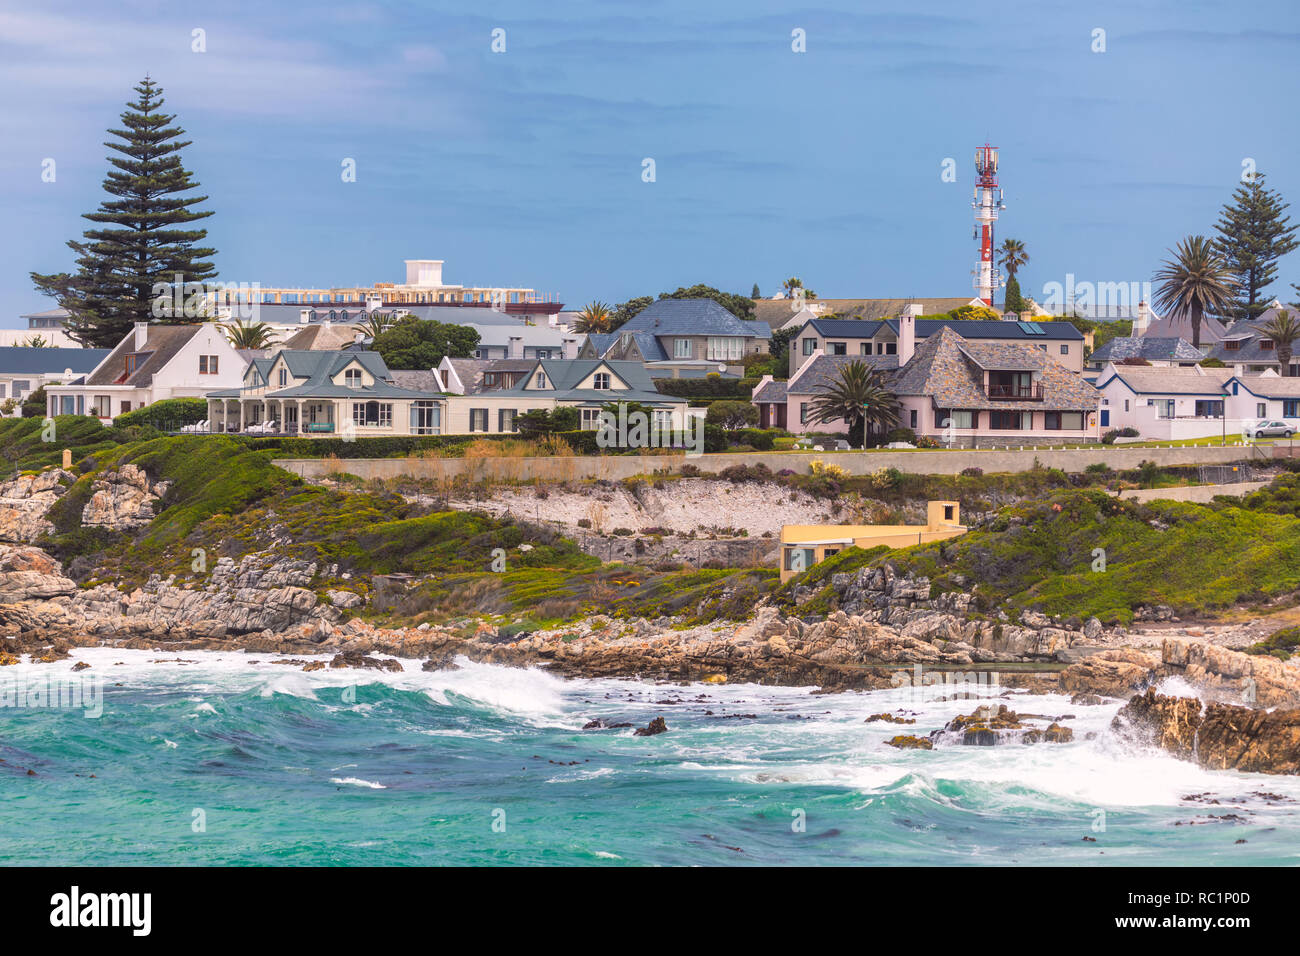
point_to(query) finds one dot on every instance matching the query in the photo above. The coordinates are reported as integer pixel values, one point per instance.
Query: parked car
(1269, 429)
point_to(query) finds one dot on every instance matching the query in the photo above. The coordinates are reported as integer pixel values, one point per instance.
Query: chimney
(141, 335)
(1143, 319)
(516, 347)
(569, 348)
(374, 301)
(907, 333)
(359, 337)
(304, 316)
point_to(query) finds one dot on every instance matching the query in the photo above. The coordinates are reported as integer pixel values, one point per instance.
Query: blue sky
(524, 167)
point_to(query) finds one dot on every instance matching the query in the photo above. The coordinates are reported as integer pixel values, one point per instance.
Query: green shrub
(167, 415)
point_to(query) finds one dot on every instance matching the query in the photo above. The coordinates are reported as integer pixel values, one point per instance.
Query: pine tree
(142, 240)
(1253, 234)
(1013, 301)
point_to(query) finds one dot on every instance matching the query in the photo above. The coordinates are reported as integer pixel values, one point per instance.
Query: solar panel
(1031, 328)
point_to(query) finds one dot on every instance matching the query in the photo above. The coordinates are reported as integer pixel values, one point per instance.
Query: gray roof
(949, 370)
(564, 376)
(1151, 348)
(1180, 326)
(160, 347)
(693, 317)
(319, 368)
(1247, 335)
(1037, 331)
(20, 360)
(774, 391)
(1148, 380)
(822, 371)
(1270, 386)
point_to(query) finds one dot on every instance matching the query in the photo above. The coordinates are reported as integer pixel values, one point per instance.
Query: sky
(526, 167)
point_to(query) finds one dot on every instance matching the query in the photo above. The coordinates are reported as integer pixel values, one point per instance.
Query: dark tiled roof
(818, 374)
(1180, 326)
(20, 360)
(693, 317)
(967, 328)
(777, 312)
(564, 376)
(943, 370)
(1151, 348)
(770, 392)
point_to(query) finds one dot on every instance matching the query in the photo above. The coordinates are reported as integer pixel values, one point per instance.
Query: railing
(1025, 393)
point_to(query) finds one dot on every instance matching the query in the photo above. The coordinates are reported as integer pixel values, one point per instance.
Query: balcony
(1011, 392)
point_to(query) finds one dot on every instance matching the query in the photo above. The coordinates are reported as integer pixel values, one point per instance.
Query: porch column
(225, 414)
(241, 415)
(302, 422)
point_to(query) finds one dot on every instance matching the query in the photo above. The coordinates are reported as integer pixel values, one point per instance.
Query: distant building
(803, 546)
(1160, 351)
(46, 327)
(682, 338)
(23, 370)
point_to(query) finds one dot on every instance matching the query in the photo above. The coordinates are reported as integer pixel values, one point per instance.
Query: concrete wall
(1197, 494)
(615, 467)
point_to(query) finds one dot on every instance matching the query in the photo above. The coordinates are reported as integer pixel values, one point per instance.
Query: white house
(151, 363)
(23, 369)
(1268, 395)
(1168, 403)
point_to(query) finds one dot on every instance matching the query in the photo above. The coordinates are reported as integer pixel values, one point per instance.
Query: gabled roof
(21, 360)
(319, 369)
(693, 317)
(1147, 380)
(162, 342)
(774, 391)
(968, 329)
(943, 369)
(777, 312)
(322, 337)
(1180, 326)
(564, 376)
(1149, 347)
(1269, 386)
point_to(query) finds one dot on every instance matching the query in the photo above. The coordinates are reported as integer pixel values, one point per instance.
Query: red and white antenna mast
(988, 200)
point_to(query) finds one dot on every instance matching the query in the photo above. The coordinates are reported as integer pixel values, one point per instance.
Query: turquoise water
(225, 761)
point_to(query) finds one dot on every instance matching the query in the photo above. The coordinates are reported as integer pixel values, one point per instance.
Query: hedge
(703, 387)
(166, 415)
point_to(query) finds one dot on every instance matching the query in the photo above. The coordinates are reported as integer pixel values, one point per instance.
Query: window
(352, 378)
(1065, 350)
(1265, 345)
(539, 380)
(208, 364)
(891, 348)
(601, 382)
(837, 348)
(1164, 407)
(682, 348)
(866, 348)
(949, 418)
(1011, 421)
(1261, 410)
(505, 419)
(805, 412)
(912, 425)
(1209, 409)
(590, 418)
(1067, 421)
(1233, 345)
(809, 346)
(663, 419)
(126, 406)
(478, 419)
(21, 387)
(66, 405)
(372, 414)
(131, 363)
(806, 558)
(102, 406)
(284, 377)
(725, 348)
(426, 418)
(1291, 408)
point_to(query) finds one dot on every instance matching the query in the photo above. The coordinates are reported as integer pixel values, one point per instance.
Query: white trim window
(723, 348)
(352, 378)
(208, 364)
(600, 382)
(590, 418)
(682, 349)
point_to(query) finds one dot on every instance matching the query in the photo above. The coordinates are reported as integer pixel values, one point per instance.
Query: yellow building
(803, 545)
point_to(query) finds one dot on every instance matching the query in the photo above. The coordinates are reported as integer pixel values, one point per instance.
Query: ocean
(205, 758)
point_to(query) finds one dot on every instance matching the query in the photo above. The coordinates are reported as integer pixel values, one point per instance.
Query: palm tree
(595, 317)
(858, 394)
(1013, 255)
(35, 342)
(1195, 281)
(377, 323)
(794, 288)
(1283, 330)
(242, 335)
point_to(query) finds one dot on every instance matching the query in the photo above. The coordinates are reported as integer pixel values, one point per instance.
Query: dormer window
(284, 377)
(540, 380)
(601, 381)
(1265, 345)
(352, 378)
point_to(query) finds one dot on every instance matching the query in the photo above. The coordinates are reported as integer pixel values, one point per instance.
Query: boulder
(123, 500)
(1114, 673)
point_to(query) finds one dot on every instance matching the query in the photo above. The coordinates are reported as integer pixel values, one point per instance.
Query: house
(959, 391)
(777, 312)
(354, 394)
(152, 363)
(973, 392)
(1178, 325)
(349, 393)
(802, 546)
(23, 369)
(682, 338)
(586, 384)
(1157, 350)
(47, 327)
(465, 376)
(1255, 397)
(1245, 344)
(1165, 403)
(1061, 340)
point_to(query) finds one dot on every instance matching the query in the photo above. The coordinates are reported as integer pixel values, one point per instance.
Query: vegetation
(1196, 281)
(1283, 329)
(730, 415)
(249, 335)
(594, 317)
(144, 236)
(1254, 232)
(412, 343)
(166, 415)
(860, 397)
(1281, 644)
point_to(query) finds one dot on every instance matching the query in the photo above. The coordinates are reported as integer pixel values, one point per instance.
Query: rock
(1093, 630)
(1247, 678)
(345, 599)
(599, 724)
(314, 666)
(656, 726)
(359, 660)
(890, 718)
(1114, 673)
(905, 742)
(123, 500)
(1217, 736)
(80, 666)
(1086, 700)
(29, 574)
(24, 502)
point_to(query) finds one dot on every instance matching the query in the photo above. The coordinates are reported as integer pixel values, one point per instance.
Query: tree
(857, 396)
(35, 342)
(731, 415)
(377, 323)
(1283, 329)
(595, 317)
(1013, 302)
(780, 348)
(143, 240)
(1254, 233)
(1196, 281)
(794, 287)
(543, 421)
(755, 293)
(1012, 256)
(412, 343)
(254, 335)
(628, 310)
(741, 306)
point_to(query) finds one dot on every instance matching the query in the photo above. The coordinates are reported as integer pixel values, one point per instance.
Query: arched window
(352, 378)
